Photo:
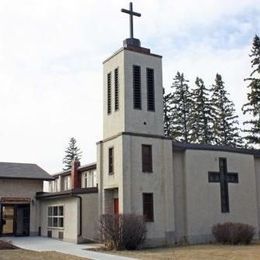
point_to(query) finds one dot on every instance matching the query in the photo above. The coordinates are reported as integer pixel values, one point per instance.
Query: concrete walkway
(48, 244)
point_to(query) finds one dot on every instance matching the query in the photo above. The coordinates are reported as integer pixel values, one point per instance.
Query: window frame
(111, 165)
(109, 93)
(137, 88)
(147, 166)
(116, 88)
(150, 90)
(54, 216)
(148, 206)
(66, 182)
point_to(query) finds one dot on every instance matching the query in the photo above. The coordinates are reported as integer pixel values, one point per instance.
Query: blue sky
(51, 55)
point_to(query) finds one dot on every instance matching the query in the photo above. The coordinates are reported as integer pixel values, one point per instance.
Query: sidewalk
(48, 244)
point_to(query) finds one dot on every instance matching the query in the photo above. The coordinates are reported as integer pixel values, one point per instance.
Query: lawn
(198, 252)
(11, 252)
(20, 254)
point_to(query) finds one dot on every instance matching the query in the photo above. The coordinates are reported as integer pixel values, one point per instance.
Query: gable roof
(22, 171)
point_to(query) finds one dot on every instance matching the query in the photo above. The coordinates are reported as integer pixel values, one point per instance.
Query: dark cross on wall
(131, 14)
(224, 178)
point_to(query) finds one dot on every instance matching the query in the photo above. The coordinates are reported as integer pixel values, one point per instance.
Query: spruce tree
(252, 108)
(201, 116)
(72, 152)
(225, 125)
(180, 102)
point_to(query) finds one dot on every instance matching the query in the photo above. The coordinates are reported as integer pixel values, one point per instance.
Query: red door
(116, 206)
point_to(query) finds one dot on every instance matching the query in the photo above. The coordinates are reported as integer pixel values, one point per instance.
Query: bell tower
(132, 89)
(134, 159)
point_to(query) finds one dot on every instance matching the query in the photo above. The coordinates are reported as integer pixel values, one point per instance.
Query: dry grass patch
(199, 252)
(21, 254)
(6, 245)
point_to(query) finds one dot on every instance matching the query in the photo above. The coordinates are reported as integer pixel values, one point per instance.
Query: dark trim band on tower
(150, 89)
(137, 93)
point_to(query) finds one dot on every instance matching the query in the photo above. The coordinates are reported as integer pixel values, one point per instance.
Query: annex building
(181, 189)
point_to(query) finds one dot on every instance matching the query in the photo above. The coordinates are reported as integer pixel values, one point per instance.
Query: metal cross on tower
(131, 14)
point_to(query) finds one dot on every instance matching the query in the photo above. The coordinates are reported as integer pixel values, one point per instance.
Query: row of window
(56, 213)
(109, 91)
(137, 89)
(147, 159)
(88, 180)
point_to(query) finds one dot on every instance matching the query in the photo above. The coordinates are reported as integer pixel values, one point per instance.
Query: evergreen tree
(167, 113)
(201, 121)
(180, 102)
(252, 108)
(72, 152)
(225, 125)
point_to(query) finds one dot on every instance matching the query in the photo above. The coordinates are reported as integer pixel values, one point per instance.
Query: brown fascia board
(223, 148)
(64, 173)
(68, 193)
(27, 178)
(82, 168)
(86, 167)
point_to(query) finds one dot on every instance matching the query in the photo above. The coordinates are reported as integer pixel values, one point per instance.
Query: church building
(182, 190)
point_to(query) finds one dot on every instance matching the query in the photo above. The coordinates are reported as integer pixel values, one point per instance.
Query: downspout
(80, 213)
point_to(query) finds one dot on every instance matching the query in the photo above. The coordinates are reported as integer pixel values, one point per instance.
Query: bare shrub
(122, 231)
(233, 233)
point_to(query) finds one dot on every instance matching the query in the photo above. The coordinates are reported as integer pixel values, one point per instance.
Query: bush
(233, 233)
(122, 231)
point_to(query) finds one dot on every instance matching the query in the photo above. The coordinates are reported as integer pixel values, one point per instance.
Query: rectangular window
(111, 160)
(67, 183)
(55, 216)
(148, 207)
(89, 179)
(109, 93)
(150, 89)
(116, 90)
(137, 87)
(147, 158)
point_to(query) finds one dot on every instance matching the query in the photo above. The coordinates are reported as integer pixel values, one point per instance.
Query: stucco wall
(159, 182)
(71, 218)
(179, 197)
(108, 181)
(24, 189)
(114, 123)
(89, 216)
(203, 204)
(131, 182)
(128, 119)
(143, 121)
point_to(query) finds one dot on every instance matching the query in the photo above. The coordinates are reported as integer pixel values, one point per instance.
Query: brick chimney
(75, 176)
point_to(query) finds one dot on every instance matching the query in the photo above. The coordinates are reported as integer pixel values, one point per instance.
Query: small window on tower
(111, 160)
(148, 207)
(147, 158)
(109, 93)
(116, 90)
(150, 89)
(137, 87)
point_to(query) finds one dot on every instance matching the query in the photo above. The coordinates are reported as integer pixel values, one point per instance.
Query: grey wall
(24, 189)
